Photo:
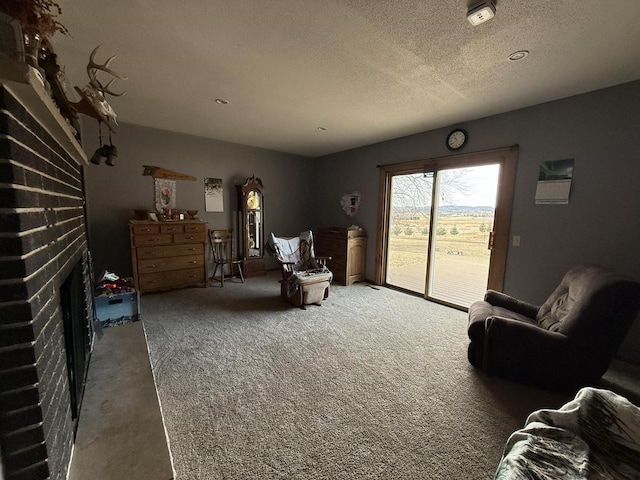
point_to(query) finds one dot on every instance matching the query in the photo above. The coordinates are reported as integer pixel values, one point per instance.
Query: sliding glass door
(441, 227)
(463, 224)
(409, 232)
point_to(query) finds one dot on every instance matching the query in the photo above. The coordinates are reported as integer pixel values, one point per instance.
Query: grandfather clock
(251, 212)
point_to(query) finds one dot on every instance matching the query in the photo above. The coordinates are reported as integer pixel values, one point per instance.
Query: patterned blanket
(596, 436)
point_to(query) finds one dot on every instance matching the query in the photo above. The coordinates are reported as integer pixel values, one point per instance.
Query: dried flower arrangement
(35, 16)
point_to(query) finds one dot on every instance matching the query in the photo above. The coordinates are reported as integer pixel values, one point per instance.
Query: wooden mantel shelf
(20, 79)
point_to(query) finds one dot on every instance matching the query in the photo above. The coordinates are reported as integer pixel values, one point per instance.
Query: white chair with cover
(305, 277)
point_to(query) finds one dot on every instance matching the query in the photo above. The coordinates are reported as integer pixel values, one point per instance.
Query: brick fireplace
(46, 302)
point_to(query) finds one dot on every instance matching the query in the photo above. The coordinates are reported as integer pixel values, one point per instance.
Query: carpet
(374, 384)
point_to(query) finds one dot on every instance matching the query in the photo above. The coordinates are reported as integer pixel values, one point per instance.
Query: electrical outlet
(516, 241)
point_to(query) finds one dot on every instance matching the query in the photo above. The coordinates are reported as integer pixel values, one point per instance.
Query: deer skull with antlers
(95, 92)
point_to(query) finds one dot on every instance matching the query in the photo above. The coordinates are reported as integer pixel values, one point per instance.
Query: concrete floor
(121, 433)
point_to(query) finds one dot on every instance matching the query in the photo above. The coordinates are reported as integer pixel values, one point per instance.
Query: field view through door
(442, 235)
(463, 202)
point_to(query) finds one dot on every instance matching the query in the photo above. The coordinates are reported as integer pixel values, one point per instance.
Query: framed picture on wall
(350, 203)
(554, 182)
(164, 194)
(213, 195)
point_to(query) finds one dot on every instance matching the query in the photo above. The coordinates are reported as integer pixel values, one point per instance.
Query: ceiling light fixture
(481, 12)
(322, 128)
(519, 55)
(221, 101)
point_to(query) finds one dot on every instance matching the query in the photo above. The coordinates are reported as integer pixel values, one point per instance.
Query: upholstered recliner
(566, 343)
(305, 277)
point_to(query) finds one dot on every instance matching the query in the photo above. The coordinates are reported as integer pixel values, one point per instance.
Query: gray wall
(601, 224)
(112, 192)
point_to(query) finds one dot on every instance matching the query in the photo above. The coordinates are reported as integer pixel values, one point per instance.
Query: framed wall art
(164, 194)
(554, 182)
(350, 203)
(213, 195)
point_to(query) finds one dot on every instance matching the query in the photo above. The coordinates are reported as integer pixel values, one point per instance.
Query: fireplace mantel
(21, 80)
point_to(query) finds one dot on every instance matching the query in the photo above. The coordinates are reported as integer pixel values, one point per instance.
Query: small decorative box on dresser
(168, 255)
(347, 249)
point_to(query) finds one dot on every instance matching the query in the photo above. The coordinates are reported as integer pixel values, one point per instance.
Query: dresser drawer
(194, 227)
(169, 251)
(144, 229)
(166, 264)
(163, 280)
(145, 240)
(336, 254)
(190, 237)
(337, 267)
(171, 228)
(331, 244)
(338, 274)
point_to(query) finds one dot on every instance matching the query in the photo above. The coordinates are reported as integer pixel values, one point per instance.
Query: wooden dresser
(168, 255)
(347, 249)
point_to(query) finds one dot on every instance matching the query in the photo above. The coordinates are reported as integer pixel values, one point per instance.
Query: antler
(93, 68)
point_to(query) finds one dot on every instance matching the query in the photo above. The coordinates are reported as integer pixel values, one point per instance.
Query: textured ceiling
(365, 70)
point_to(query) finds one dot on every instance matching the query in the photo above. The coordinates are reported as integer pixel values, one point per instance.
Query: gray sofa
(566, 343)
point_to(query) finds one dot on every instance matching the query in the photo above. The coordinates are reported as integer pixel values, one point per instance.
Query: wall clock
(457, 139)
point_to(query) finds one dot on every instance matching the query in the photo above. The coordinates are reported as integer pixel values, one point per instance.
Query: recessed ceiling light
(519, 55)
(322, 128)
(221, 101)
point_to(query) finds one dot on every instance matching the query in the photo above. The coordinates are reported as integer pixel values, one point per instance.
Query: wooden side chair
(221, 242)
